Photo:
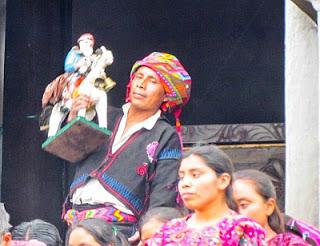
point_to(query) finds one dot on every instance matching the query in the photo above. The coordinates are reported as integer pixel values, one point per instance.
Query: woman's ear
(224, 181)
(270, 206)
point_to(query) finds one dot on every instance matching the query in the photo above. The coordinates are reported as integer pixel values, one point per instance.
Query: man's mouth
(138, 95)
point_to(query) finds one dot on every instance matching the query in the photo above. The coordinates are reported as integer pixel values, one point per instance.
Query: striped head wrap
(174, 78)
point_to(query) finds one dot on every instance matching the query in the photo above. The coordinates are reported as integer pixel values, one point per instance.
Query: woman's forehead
(193, 162)
(243, 186)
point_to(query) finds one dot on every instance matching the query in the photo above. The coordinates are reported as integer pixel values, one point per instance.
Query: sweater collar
(147, 123)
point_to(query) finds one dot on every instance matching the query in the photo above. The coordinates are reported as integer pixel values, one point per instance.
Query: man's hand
(80, 102)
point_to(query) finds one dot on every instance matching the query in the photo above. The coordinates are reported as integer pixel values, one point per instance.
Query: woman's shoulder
(287, 238)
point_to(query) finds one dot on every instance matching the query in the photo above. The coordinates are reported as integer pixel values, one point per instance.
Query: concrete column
(302, 115)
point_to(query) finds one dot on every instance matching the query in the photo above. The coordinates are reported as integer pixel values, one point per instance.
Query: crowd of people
(141, 188)
(220, 207)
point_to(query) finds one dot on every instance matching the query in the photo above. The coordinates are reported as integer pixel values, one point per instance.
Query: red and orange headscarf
(174, 78)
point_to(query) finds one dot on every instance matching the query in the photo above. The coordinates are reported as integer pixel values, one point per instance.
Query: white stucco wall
(302, 115)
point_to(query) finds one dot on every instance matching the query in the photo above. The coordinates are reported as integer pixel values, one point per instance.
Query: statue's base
(76, 140)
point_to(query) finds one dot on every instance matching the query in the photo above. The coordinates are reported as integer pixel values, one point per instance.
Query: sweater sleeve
(163, 187)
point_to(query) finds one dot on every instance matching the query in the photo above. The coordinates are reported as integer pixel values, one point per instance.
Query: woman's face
(81, 237)
(250, 203)
(198, 183)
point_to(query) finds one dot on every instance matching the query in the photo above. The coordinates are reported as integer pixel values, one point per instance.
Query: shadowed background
(233, 51)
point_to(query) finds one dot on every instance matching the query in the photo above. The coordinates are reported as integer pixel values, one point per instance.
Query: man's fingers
(80, 102)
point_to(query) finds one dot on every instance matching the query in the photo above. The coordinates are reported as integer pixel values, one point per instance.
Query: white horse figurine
(100, 60)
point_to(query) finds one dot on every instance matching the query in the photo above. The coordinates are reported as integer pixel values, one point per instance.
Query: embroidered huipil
(140, 172)
(232, 230)
(287, 239)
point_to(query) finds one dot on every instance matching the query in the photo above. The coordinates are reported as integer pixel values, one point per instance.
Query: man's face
(146, 93)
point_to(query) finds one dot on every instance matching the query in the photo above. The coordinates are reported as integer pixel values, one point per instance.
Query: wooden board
(268, 158)
(76, 140)
(233, 133)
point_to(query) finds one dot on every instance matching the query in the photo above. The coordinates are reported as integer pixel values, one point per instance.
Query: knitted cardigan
(142, 173)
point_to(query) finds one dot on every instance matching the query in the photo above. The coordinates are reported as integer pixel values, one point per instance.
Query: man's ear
(270, 206)
(6, 238)
(165, 99)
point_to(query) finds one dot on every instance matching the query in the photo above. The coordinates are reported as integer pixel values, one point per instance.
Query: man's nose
(142, 83)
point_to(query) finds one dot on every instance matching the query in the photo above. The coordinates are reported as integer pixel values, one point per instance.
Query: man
(4, 226)
(137, 168)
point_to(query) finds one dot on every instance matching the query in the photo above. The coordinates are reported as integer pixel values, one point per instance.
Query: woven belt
(108, 213)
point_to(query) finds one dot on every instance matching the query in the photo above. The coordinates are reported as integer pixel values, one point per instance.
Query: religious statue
(84, 74)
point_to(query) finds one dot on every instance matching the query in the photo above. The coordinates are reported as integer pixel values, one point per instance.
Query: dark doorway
(234, 51)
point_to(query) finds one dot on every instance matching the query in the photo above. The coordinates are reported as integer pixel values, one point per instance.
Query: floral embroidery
(287, 238)
(142, 169)
(151, 150)
(224, 233)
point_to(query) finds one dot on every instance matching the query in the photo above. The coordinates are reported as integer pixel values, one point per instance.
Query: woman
(205, 178)
(36, 230)
(256, 198)
(94, 232)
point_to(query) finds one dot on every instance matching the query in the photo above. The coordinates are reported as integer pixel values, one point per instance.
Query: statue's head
(86, 43)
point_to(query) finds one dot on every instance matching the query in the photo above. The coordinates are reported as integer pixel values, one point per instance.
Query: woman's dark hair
(103, 232)
(264, 187)
(217, 160)
(162, 214)
(37, 229)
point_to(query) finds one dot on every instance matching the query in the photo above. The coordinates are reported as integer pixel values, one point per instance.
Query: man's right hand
(80, 102)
